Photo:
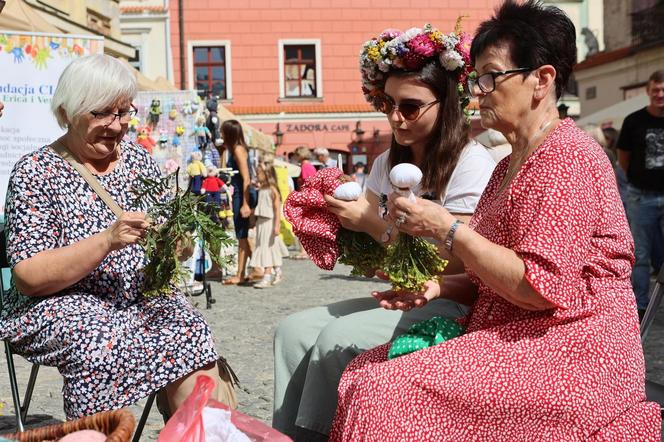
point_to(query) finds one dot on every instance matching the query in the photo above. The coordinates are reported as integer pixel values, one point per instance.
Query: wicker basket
(117, 425)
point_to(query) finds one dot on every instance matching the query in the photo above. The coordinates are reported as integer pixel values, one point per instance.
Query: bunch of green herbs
(411, 261)
(361, 251)
(176, 220)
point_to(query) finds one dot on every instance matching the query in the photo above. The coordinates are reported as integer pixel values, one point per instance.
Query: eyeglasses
(487, 82)
(107, 118)
(409, 111)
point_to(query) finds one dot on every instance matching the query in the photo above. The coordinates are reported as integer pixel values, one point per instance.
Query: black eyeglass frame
(395, 107)
(101, 115)
(472, 81)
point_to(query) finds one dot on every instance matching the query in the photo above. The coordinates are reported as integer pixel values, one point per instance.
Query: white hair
(94, 82)
(321, 151)
(596, 132)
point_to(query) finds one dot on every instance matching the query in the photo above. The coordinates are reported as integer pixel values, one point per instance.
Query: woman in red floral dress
(551, 349)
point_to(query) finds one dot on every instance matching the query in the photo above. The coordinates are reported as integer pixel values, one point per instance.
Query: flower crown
(394, 50)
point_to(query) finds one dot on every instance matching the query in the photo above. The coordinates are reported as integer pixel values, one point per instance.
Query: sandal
(234, 280)
(300, 256)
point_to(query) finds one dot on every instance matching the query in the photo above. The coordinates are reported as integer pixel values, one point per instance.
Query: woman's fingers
(333, 202)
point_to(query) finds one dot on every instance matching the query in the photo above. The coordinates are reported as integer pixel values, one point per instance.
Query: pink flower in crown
(389, 34)
(422, 45)
(413, 61)
(463, 47)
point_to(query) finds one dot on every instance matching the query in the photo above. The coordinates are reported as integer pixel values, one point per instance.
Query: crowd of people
(543, 263)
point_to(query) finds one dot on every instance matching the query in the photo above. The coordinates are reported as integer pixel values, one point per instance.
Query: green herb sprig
(411, 261)
(177, 219)
(361, 251)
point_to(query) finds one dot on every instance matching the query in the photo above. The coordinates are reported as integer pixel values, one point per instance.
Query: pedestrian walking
(641, 157)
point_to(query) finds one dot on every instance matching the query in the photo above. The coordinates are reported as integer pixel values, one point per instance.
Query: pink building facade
(290, 67)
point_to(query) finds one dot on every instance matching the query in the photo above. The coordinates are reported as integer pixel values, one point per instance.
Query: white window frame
(319, 67)
(191, 44)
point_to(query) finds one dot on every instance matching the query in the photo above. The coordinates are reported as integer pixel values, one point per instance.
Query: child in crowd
(268, 252)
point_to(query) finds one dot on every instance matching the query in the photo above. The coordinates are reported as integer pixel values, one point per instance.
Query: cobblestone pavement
(243, 320)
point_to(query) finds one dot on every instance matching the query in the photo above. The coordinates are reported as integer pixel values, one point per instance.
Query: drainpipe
(182, 57)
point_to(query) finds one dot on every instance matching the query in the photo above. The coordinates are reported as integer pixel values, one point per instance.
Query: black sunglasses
(409, 111)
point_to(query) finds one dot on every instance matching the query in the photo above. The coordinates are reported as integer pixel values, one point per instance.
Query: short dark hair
(535, 34)
(656, 77)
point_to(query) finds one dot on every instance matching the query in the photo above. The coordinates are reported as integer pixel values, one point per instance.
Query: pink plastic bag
(186, 425)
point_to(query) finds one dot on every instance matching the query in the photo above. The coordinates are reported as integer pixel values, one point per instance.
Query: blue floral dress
(112, 345)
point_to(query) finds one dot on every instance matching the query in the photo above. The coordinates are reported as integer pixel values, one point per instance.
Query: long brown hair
(233, 135)
(448, 137)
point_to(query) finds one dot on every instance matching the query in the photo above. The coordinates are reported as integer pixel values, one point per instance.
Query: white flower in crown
(451, 60)
(451, 41)
(409, 34)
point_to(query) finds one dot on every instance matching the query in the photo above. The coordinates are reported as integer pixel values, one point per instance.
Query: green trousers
(313, 347)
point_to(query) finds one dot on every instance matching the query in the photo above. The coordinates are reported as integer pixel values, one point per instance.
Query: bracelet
(449, 239)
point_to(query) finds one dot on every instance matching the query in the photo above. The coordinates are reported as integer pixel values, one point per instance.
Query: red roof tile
(603, 57)
(145, 8)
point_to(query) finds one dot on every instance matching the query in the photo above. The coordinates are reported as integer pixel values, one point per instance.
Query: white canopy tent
(614, 115)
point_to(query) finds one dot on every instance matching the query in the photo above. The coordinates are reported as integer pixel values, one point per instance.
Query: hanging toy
(163, 139)
(202, 133)
(144, 139)
(133, 125)
(170, 166)
(154, 113)
(186, 108)
(179, 130)
(176, 141)
(195, 104)
(173, 113)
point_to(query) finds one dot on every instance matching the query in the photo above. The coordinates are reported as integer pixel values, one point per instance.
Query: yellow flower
(373, 53)
(437, 37)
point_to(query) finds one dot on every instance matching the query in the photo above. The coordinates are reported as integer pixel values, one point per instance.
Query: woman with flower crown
(416, 79)
(551, 349)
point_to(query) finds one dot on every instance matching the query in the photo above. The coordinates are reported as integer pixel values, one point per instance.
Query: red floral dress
(571, 373)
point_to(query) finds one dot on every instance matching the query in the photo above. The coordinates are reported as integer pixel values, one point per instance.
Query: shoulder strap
(64, 152)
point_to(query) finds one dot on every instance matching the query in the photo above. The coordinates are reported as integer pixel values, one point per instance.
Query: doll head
(200, 121)
(196, 156)
(179, 131)
(212, 171)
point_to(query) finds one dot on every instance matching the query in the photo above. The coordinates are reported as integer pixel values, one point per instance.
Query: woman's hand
(419, 218)
(130, 228)
(393, 300)
(245, 210)
(351, 214)
(277, 230)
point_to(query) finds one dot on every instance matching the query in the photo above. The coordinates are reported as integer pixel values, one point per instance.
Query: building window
(300, 69)
(135, 61)
(591, 92)
(209, 69)
(99, 23)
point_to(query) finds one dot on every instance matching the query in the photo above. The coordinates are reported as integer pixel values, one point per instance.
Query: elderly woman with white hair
(76, 301)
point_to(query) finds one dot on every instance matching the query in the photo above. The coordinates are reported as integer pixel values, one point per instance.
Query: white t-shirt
(468, 180)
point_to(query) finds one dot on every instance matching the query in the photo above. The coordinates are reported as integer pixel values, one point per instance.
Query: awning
(20, 16)
(613, 116)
